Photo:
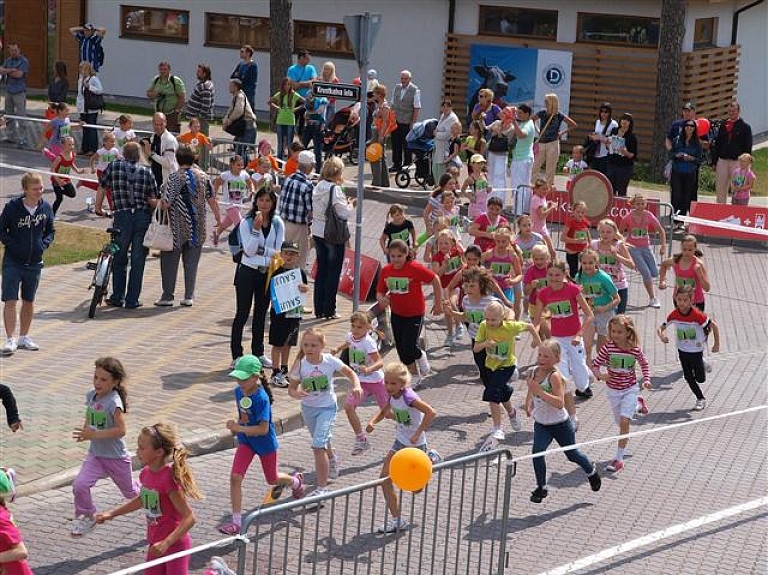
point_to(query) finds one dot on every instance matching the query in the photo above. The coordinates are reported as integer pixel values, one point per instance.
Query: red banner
(369, 267)
(748, 216)
(617, 212)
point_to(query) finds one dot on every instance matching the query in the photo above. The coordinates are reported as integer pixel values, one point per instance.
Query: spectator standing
(59, 86)
(550, 120)
(406, 102)
(89, 38)
(287, 102)
(382, 122)
(442, 137)
(302, 74)
(295, 205)
(522, 157)
(733, 139)
(241, 109)
(201, 101)
(168, 94)
(314, 126)
(16, 68)
(26, 231)
(161, 150)
(676, 129)
(622, 152)
(134, 194)
(603, 126)
(686, 155)
(88, 80)
(329, 75)
(247, 71)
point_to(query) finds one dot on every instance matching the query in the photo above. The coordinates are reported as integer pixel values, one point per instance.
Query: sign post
(362, 30)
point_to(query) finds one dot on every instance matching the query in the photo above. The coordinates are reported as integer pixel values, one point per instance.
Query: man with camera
(168, 94)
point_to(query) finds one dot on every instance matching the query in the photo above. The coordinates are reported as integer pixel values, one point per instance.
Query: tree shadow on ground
(185, 379)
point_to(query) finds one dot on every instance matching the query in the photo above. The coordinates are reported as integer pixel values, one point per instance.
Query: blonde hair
(163, 436)
(552, 345)
(30, 178)
(637, 198)
(486, 92)
(441, 222)
(589, 253)
(332, 66)
(579, 204)
(609, 223)
(446, 234)
(360, 316)
(746, 158)
(624, 320)
(320, 334)
(331, 169)
(397, 371)
(540, 250)
(552, 104)
(496, 305)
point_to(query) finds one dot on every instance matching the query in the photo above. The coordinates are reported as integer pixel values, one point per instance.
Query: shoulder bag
(91, 101)
(538, 137)
(498, 143)
(236, 128)
(336, 228)
(159, 235)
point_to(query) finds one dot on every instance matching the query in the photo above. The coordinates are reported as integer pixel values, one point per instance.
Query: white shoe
(187, 302)
(164, 303)
(423, 364)
(279, 379)
(701, 404)
(460, 331)
(315, 493)
(416, 381)
(654, 302)
(25, 342)
(10, 346)
(265, 361)
(514, 421)
(499, 434)
(707, 364)
(489, 445)
(393, 525)
(360, 447)
(82, 525)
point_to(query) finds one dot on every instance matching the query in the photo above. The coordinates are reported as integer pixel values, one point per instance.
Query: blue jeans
(248, 137)
(330, 258)
(564, 434)
(313, 132)
(284, 139)
(133, 224)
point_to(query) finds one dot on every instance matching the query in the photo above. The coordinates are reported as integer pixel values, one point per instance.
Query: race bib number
(315, 384)
(96, 419)
(607, 259)
(399, 286)
(150, 502)
(402, 416)
(541, 283)
(638, 232)
(580, 235)
(64, 169)
(592, 290)
(356, 358)
(686, 334)
(682, 282)
(622, 362)
(475, 317)
(501, 268)
(500, 350)
(453, 264)
(403, 235)
(560, 309)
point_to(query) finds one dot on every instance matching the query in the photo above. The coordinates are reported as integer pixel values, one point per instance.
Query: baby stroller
(340, 137)
(421, 142)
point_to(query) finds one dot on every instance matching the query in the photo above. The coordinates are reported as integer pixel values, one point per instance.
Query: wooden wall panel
(69, 13)
(26, 23)
(710, 80)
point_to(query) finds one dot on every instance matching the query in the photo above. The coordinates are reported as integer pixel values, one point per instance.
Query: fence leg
(511, 472)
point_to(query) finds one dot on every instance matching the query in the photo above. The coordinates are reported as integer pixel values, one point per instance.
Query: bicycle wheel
(403, 179)
(98, 295)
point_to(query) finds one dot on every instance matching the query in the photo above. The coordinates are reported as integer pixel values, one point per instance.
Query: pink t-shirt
(539, 222)
(484, 224)
(10, 538)
(610, 264)
(538, 276)
(688, 277)
(637, 230)
(739, 177)
(162, 515)
(563, 304)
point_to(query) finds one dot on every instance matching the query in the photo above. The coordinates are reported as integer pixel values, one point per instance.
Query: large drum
(595, 190)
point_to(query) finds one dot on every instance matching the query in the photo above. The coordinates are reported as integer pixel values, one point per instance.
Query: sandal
(229, 528)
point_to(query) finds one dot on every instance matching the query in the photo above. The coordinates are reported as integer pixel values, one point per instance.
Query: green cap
(7, 483)
(245, 367)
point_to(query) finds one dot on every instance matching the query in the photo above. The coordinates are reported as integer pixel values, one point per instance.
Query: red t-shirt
(578, 240)
(484, 225)
(537, 276)
(406, 297)
(563, 304)
(10, 538)
(64, 167)
(454, 264)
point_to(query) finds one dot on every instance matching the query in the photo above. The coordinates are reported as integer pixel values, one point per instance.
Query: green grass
(761, 172)
(73, 244)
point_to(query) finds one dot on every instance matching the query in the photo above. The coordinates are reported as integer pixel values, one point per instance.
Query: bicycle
(102, 270)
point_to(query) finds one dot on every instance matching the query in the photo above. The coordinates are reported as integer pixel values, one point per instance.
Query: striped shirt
(88, 48)
(200, 103)
(621, 364)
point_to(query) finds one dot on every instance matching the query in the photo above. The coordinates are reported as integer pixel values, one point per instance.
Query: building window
(502, 21)
(226, 30)
(704, 33)
(158, 24)
(322, 37)
(618, 29)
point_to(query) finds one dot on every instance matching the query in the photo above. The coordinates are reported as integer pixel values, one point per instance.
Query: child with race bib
(64, 164)
(535, 279)
(236, 188)
(637, 226)
(483, 227)
(104, 156)
(473, 257)
(124, 133)
(311, 380)
(366, 362)
(689, 270)
(398, 227)
(13, 552)
(602, 296)
(612, 256)
(496, 336)
(58, 128)
(540, 210)
(562, 299)
(621, 354)
(412, 416)
(446, 263)
(505, 265)
(256, 435)
(576, 234)
(108, 456)
(165, 487)
(476, 187)
(545, 402)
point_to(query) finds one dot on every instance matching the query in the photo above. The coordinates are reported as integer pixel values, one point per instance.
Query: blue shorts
(17, 275)
(645, 262)
(509, 293)
(320, 422)
(398, 445)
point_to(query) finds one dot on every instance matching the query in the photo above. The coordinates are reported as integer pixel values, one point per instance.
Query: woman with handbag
(89, 103)
(547, 148)
(596, 144)
(331, 210)
(240, 119)
(184, 196)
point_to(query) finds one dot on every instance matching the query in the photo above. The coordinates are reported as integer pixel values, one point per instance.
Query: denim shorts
(398, 445)
(17, 275)
(320, 422)
(645, 262)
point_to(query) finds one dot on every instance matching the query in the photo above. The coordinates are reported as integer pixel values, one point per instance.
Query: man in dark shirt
(89, 38)
(733, 139)
(247, 72)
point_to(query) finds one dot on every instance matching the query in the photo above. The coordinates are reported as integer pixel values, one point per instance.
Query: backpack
(234, 243)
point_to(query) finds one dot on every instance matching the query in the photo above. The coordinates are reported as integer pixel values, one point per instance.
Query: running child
(483, 227)
(689, 270)
(613, 255)
(540, 210)
(446, 263)
(311, 380)
(472, 261)
(412, 416)
(430, 246)
(601, 294)
(400, 288)
(496, 335)
(13, 552)
(64, 164)
(366, 362)
(742, 181)
(637, 226)
(535, 279)
(104, 426)
(447, 183)
(256, 435)
(99, 162)
(236, 190)
(165, 487)
(262, 176)
(58, 128)
(545, 402)
(451, 210)
(620, 355)
(284, 327)
(476, 187)
(398, 227)
(124, 133)
(576, 234)
(505, 265)
(575, 166)
(691, 329)
(562, 299)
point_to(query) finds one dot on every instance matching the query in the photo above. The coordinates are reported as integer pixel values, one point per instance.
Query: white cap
(306, 158)
(372, 74)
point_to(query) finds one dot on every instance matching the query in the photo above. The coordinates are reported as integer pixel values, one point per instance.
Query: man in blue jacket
(26, 231)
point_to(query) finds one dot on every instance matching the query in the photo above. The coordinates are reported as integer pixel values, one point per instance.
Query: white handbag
(159, 235)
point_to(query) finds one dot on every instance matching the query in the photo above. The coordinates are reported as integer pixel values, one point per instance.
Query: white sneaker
(279, 379)
(514, 421)
(707, 364)
(701, 404)
(82, 525)
(315, 493)
(26, 343)
(334, 463)
(423, 364)
(265, 361)
(654, 302)
(489, 445)
(360, 447)
(498, 434)
(164, 303)
(393, 525)
(189, 302)
(10, 346)
(460, 331)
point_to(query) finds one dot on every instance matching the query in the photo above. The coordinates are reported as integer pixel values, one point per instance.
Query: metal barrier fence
(458, 524)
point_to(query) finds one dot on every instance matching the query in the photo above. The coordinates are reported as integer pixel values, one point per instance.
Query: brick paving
(178, 357)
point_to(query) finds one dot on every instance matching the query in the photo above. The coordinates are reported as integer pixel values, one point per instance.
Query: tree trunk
(280, 45)
(668, 79)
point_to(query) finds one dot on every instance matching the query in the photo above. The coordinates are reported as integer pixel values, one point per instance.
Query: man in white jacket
(160, 150)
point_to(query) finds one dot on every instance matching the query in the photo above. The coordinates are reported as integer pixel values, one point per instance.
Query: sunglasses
(690, 125)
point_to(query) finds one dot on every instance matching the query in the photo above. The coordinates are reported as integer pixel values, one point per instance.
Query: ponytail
(182, 474)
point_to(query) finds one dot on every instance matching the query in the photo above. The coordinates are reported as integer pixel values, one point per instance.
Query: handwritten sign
(284, 291)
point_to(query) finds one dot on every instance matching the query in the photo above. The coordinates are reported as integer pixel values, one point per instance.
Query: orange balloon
(410, 469)
(374, 152)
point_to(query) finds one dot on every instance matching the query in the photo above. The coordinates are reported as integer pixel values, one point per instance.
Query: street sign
(362, 30)
(339, 91)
